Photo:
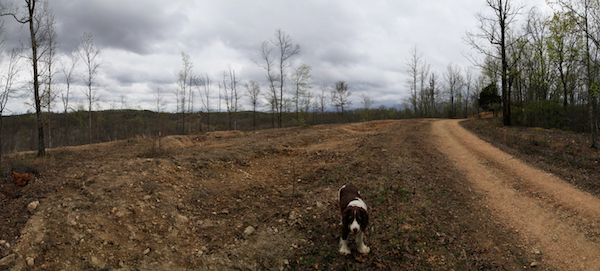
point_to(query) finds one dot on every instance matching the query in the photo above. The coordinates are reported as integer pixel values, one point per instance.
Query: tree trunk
(36, 83)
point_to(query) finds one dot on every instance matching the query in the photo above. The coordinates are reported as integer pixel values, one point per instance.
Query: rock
(7, 261)
(182, 219)
(319, 205)
(99, 264)
(533, 264)
(292, 215)
(30, 261)
(249, 231)
(33, 205)
(536, 251)
(147, 251)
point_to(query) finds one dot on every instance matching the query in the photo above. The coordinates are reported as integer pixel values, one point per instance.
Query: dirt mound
(174, 142)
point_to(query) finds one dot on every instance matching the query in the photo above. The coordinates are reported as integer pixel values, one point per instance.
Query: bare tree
(366, 101)
(159, 102)
(271, 97)
(286, 50)
(49, 94)
(231, 95)
(68, 69)
(340, 96)
(253, 89)
(184, 88)
(224, 90)
(90, 55)
(470, 91)
(495, 31)
(432, 95)
(7, 88)
(453, 86)
(305, 103)
(322, 100)
(33, 18)
(300, 79)
(204, 85)
(412, 66)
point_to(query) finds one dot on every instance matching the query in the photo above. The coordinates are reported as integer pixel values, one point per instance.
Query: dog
(355, 218)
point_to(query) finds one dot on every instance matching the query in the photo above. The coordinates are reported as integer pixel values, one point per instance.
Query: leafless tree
(159, 99)
(454, 83)
(340, 96)
(224, 93)
(287, 49)
(50, 47)
(322, 100)
(305, 103)
(184, 88)
(232, 96)
(470, 91)
(90, 55)
(33, 17)
(8, 79)
(204, 85)
(432, 95)
(253, 89)
(269, 66)
(68, 70)
(413, 65)
(300, 79)
(495, 30)
(366, 101)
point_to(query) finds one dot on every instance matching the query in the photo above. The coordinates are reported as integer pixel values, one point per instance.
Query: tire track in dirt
(549, 213)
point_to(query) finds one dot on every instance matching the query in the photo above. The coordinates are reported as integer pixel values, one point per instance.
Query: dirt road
(559, 221)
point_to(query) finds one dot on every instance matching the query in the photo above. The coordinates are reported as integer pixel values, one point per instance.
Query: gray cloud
(364, 43)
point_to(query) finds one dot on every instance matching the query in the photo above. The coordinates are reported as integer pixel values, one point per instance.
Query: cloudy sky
(365, 43)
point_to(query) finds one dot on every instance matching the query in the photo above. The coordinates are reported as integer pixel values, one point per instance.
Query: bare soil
(266, 200)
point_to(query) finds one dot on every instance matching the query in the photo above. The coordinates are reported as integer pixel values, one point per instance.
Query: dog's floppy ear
(365, 218)
(346, 216)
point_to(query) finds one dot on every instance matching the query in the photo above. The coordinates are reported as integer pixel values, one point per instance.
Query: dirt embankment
(263, 200)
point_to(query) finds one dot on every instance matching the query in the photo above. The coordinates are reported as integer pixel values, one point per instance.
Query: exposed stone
(249, 231)
(30, 261)
(182, 218)
(33, 205)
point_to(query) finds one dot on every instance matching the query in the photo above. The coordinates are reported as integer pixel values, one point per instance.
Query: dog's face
(356, 219)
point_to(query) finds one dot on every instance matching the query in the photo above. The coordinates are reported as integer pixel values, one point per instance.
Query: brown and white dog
(355, 218)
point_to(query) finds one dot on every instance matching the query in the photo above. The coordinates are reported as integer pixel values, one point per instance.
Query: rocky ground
(263, 200)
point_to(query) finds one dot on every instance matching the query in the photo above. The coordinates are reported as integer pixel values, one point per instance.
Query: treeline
(544, 68)
(71, 129)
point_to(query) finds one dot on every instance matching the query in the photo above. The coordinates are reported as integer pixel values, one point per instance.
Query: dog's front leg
(344, 249)
(362, 248)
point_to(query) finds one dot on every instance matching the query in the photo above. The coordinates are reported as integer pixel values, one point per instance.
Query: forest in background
(109, 125)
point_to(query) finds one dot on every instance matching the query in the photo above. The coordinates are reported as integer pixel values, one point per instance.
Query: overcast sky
(365, 43)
